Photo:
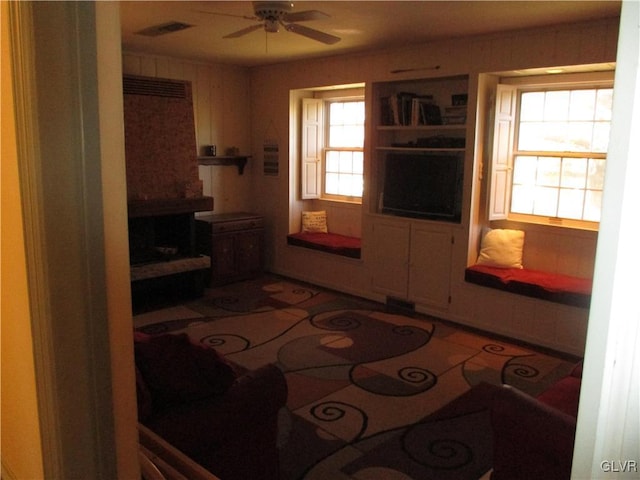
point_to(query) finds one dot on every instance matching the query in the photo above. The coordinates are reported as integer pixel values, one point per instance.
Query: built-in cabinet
(412, 261)
(418, 161)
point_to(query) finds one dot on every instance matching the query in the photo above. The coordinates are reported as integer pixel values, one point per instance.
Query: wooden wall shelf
(240, 161)
(169, 206)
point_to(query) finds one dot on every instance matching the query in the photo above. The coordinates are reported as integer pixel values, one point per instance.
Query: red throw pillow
(177, 371)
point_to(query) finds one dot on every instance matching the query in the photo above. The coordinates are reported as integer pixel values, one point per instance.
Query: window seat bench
(327, 242)
(552, 287)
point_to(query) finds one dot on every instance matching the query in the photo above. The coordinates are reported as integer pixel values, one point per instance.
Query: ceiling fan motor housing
(273, 11)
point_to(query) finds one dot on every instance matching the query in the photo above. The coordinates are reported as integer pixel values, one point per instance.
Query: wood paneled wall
(222, 118)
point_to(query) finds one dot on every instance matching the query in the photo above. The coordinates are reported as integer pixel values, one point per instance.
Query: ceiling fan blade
(305, 16)
(246, 17)
(312, 33)
(244, 31)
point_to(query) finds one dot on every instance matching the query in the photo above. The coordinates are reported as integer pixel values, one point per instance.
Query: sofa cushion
(176, 371)
(553, 287)
(563, 395)
(327, 242)
(532, 440)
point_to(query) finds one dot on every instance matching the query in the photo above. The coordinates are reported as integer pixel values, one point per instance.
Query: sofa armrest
(250, 405)
(531, 440)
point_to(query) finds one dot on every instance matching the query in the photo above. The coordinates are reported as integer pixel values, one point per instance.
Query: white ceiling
(362, 25)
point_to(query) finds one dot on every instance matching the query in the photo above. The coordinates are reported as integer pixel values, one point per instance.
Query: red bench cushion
(327, 242)
(553, 287)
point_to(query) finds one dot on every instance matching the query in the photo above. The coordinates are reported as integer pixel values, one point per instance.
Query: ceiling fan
(273, 15)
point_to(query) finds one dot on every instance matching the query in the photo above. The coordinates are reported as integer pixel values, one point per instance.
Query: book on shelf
(406, 108)
(456, 115)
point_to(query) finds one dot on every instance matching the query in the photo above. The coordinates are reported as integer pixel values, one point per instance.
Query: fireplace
(163, 189)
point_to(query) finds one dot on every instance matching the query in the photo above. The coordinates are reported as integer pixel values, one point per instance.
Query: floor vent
(401, 306)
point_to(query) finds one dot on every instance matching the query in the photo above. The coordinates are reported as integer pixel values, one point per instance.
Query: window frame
(507, 112)
(313, 128)
(327, 101)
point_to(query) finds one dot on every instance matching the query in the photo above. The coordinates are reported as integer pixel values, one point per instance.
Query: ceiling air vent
(163, 29)
(161, 87)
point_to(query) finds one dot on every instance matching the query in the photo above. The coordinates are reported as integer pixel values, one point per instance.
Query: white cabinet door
(430, 266)
(390, 265)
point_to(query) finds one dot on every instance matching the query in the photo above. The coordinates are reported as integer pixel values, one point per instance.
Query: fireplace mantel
(169, 206)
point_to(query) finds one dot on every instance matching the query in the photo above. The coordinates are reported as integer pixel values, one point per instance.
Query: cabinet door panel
(429, 268)
(391, 243)
(249, 252)
(222, 256)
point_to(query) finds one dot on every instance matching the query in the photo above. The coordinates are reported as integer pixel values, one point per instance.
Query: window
(343, 155)
(550, 147)
(332, 146)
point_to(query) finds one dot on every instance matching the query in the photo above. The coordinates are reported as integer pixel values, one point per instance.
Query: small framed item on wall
(271, 157)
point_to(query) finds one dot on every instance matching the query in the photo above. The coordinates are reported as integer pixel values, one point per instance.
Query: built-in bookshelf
(419, 146)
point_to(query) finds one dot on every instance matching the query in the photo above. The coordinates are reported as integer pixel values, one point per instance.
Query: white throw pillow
(314, 222)
(502, 248)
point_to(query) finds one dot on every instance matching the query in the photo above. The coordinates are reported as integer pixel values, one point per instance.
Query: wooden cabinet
(234, 241)
(412, 261)
(419, 162)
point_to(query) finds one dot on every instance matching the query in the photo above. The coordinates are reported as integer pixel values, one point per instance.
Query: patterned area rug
(372, 394)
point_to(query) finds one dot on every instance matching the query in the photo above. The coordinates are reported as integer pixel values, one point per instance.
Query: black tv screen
(423, 186)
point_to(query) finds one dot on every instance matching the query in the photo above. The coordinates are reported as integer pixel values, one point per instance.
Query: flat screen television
(423, 185)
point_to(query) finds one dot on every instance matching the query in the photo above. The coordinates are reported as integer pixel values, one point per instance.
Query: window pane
(344, 187)
(530, 136)
(570, 204)
(532, 106)
(345, 162)
(332, 161)
(579, 136)
(522, 198)
(604, 103)
(601, 137)
(592, 206)
(343, 173)
(555, 137)
(546, 202)
(524, 171)
(548, 172)
(358, 162)
(331, 183)
(574, 173)
(595, 180)
(583, 104)
(556, 106)
(575, 120)
(346, 124)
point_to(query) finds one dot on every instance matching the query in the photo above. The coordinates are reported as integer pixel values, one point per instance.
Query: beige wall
(21, 450)
(552, 325)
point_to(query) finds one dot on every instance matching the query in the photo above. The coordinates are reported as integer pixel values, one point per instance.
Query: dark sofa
(534, 437)
(222, 417)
